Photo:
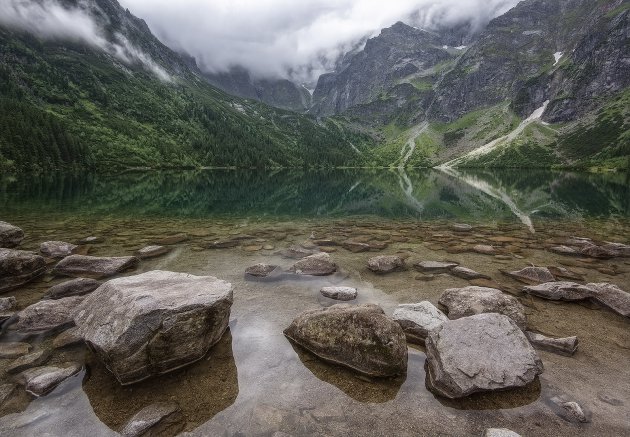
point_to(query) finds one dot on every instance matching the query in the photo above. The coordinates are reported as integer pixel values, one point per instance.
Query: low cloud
(295, 39)
(49, 19)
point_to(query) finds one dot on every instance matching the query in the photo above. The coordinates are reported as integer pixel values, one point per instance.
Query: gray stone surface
(296, 252)
(6, 390)
(360, 337)
(339, 293)
(532, 275)
(159, 419)
(94, 267)
(56, 249)
(418, 319)
(47, 316)
(468, 301)
(7, 303)
(14, 349)
(485, 352)
(563, 346)
(461, 227)
(315, 265)
(262, 271)
(39, 381)
(74, 287)
(10, 235)
(468, 274)
(383, 264)
(570, 410)
(622, 250)
(154, 323)
(152, 251)
(434, 266)
(499, 432)
(17, 267)
(69, 337)
(27, 361)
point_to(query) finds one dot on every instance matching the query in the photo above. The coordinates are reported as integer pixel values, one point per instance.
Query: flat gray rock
(418, 319)
(152, 251)
(594, 251)
(564, 346)
(561, 290)
(159, 419)
(461, 227)
(360, 337)
(39, 381)
(150, 324)
(262, 271)
(17, 267)
(434, 266)
(296, 252)
(468, 301)
(479, 353)
(532, 275)
(74, 287)
(94, 267)
(10, 236)
(47, 316)
(56, 249)
(315, 265)
(383, 264)
(611, 296)
(27, 361)
(339, 293)
(499, 432)
(468, 274)
(622, 250)
(14, 349)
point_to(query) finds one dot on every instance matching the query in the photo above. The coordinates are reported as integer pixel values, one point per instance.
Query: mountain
(544, 84)
(279, 93)
(113, 96)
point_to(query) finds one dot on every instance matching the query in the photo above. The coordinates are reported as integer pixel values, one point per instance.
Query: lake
(255, 382)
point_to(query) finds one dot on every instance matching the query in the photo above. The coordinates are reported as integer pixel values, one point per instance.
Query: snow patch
(461, 47)
(557, 56)
(445, 47)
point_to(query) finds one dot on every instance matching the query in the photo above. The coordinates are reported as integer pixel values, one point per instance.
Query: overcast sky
(275, 37)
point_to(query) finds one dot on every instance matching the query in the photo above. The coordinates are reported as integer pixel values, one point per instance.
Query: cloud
(49, 19)
(289, 38)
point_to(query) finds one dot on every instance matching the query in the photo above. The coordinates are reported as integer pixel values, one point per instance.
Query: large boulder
(479, 353)
(153, 323)
(468, 301)
(418, 319)
(10, 236)
(57, 249)
(386, 264)
(46, 316)
(17, 267)
(94, 267)
(315, 265)
(73, 287)
(606, 294)
(360, 337)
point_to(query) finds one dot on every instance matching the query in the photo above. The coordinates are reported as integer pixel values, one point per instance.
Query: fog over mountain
(289, 39)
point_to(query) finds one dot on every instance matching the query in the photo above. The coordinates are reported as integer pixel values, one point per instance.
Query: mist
(292, 39)
(49, 19)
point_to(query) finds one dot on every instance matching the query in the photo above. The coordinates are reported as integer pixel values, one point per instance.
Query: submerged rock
(355, 246)
(607, 294)
(17, 267)
(386, 264)
(564, 250)
(14, 349)
(359, 337)
(10, 236)
(485, 352)
(94, 267)
(434, 266)
(315, 265)
(39, 381)
(152, 251)
(172, 239)
(159, 419)
(74, 287)
(484, 249)
(339, 293)
(56, 249)
(223, 244)
(261, 271)
(563, 272)
(468, 301)
(33, 359)
(47, 316)
(6, 390)
(563, 346)
(531, 275)
(570, 410)
(154, 323)
(468, 274)
(461, 227)
(499, 432)
(296, 252)
(418, 319)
